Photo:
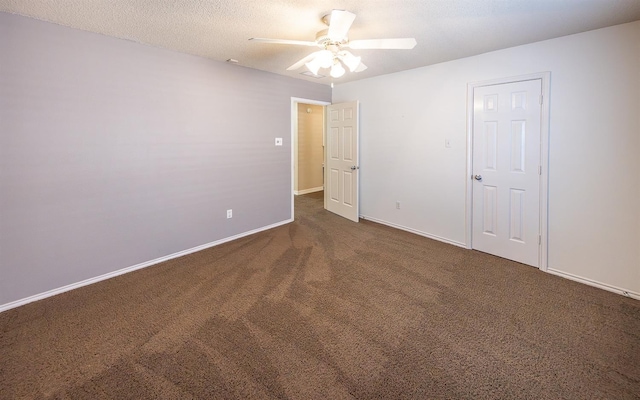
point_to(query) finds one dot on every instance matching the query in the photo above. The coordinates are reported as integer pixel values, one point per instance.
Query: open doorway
(307, 150)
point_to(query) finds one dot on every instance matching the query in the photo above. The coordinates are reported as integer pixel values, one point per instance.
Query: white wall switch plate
(278, 141)
(229, 213)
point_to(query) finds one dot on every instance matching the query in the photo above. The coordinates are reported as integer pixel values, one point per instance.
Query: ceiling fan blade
(360, 68)
(390, 44)
(339, 24)
(303, 61)
(284, 41)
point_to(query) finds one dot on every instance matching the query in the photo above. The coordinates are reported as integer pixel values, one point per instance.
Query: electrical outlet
(229, 213)
(397, 205)
(278, 141)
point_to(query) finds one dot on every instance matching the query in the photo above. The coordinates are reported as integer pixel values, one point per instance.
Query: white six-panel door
(341, 182)
(506, 170)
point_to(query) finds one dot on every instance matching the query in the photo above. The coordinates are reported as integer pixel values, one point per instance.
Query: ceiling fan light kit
(351, 61)
(313, 66)
(333, 41)
(337, 70)
(321, 59)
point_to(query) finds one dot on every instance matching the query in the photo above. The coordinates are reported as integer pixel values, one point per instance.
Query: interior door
(342, 170)
(506, 170)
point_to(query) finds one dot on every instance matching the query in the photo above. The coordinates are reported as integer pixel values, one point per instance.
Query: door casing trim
(545, 77)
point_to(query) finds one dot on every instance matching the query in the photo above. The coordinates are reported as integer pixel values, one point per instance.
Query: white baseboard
(586, 281)
(417, 232)
(53, 292)
(306, 191)
(591, 282)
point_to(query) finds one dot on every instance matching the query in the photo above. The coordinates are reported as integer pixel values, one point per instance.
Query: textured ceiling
(219, 30)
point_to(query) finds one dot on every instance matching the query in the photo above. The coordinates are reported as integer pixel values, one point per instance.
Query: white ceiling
(219, 30)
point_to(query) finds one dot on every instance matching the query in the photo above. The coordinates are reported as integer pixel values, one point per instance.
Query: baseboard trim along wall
(417, 232)
(599, 285)
(53, 292)
(306, 191)
(589, 282)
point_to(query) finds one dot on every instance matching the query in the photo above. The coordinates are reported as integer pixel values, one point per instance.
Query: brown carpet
(323, 308)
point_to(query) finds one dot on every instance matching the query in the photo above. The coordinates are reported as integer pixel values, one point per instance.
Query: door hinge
(539, 169)
(539, 239)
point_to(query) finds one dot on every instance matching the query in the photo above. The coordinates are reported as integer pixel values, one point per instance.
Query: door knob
(477, 177)
(353, 167)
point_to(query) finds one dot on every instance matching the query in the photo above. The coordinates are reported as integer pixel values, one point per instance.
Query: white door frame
(294, 132)
(544, 159)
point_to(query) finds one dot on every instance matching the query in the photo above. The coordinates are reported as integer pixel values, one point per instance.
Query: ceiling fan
(334, 41)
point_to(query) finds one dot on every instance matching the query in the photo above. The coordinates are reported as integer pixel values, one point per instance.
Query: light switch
(447, 143)
(278, 141)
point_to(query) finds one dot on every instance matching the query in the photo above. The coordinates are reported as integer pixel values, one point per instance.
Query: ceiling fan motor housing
(323, 39)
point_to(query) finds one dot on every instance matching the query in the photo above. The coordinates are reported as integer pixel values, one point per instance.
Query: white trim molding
(414, 231)
(545, 77)
(591, 282)
(306, 191)
(53, 292)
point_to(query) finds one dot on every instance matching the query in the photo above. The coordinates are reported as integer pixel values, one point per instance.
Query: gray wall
(114, 153)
